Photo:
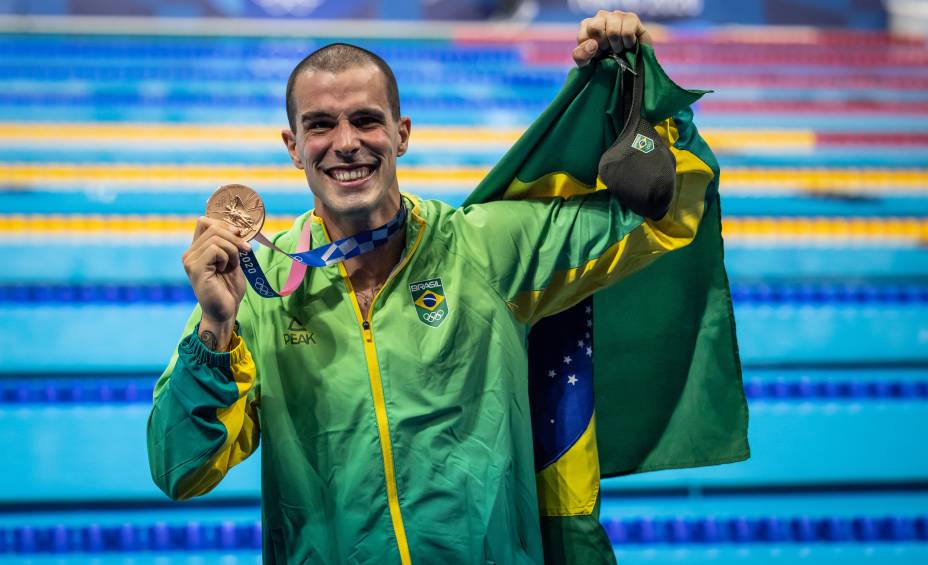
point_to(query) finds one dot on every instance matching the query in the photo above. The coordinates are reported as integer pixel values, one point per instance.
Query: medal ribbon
(322, 256)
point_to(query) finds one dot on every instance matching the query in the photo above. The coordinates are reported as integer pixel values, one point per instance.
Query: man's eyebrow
(369, 112)
(315, 116)
(359, 113)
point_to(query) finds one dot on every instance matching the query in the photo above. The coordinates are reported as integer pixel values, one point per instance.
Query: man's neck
(341, 225)
(370, 270)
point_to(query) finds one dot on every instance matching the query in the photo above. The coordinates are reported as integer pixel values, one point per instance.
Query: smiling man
(401, 432)
(346, 134)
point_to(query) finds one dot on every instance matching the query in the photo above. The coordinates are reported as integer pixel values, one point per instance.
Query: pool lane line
(21, 175)
(911, 231)
(823, 293)
(249, 134)
(646, 530)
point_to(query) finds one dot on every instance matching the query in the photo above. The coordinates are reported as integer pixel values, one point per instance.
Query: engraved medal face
(238, 206)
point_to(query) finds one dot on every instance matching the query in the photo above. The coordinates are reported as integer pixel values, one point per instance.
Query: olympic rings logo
(432, 317)
(261, 286)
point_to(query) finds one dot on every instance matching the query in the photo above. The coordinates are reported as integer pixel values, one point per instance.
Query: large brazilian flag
(663, 354)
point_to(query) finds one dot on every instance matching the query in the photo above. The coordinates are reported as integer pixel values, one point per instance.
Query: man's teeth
(342, 175)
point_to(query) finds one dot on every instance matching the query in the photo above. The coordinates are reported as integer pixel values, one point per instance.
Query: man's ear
(290, 141)
(405, 127)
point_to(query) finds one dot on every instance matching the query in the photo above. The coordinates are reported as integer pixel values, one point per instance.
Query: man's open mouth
(352, 173)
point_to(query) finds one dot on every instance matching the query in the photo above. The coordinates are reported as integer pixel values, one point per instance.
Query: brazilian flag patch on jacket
(429, 298)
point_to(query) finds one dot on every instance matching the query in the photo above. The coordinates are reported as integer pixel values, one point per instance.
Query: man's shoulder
(435, 210)
(428, 208)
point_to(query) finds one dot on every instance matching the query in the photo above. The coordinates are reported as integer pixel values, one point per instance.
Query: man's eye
(366, 122)
(317, 126)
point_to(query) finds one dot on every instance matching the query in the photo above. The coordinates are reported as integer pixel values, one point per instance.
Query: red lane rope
(870, 139)
(813, 106)
(791, 56)
(782, 80)
(755, 36)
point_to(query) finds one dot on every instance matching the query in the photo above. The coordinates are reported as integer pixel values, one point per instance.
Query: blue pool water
(833, 335)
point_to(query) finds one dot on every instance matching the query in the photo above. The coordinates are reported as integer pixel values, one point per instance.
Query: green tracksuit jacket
(406, 439)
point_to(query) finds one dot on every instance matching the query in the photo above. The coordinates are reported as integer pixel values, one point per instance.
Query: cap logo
(643, 143)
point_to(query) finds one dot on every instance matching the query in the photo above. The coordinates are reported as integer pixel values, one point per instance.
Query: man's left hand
(608, 32)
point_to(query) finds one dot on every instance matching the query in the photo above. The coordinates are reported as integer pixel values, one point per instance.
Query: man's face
(347, 142)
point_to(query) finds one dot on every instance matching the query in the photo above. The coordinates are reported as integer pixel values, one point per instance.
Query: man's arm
(544, 256)
(562, 239)
(203, 421)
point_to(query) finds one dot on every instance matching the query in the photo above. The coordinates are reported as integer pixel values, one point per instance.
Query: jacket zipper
(380, 407)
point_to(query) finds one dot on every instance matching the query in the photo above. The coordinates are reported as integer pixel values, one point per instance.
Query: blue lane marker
(138, 390)
(285, 201)
(224, 536)
(130, 538)
(771, 293)
(770, 529)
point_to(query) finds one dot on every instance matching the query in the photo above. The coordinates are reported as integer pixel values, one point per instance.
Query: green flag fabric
(666, 371)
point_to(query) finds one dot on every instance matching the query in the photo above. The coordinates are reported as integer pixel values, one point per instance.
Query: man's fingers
(614, 32)
(583, 34)
(631, 28)
(596, 29)
(203, 223)
(221, 229)
(585, 52)
(202, 260)
(230, 250)
(205, 255)
(222, 255)
(218, 257)
(611, 31)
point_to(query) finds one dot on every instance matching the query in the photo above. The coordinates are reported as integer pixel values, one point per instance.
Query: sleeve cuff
(199, 353)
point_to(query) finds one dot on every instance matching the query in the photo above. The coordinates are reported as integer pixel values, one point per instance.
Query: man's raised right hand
(212, 266)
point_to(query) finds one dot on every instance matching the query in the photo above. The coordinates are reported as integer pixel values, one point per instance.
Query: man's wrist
(216, 335)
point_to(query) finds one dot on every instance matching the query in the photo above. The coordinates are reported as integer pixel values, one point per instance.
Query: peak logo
(297, 334)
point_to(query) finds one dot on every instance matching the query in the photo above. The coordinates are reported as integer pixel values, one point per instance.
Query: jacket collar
(296, 302)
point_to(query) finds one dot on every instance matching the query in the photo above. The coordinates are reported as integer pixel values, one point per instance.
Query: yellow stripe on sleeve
(241, 423)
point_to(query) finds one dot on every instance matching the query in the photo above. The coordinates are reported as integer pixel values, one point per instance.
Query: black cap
(639, 169)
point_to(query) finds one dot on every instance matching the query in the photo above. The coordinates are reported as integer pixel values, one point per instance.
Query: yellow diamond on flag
(429, 300)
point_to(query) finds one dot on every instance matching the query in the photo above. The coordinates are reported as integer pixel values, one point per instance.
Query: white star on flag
(567, 359)
(572, 379)
(552, 374)
(589, 351)
(589, 309)
(580, 343)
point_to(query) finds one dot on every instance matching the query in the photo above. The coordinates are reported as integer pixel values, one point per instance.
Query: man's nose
(346, 142)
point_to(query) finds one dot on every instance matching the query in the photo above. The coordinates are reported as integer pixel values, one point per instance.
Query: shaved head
(335, 58)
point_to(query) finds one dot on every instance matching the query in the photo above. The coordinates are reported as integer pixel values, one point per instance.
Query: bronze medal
(239, 206)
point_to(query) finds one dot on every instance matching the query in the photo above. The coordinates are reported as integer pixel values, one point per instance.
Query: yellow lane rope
(173, 134)
(223, 134)
(775, 179)
(18, 174)
(841, 228)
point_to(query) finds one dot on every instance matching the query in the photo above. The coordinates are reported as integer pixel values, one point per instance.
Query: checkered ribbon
(322, 256)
